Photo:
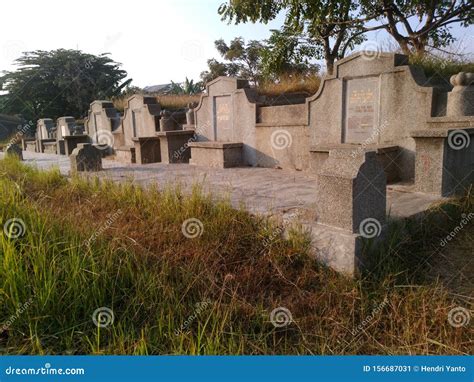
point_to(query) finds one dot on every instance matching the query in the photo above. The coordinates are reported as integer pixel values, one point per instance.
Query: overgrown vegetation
(90, 244)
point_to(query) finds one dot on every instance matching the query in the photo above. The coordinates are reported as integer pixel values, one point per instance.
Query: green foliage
(188, 87)
(259, 61)
(288, 55)
(59, 82)
(243, 60)
(332, 28)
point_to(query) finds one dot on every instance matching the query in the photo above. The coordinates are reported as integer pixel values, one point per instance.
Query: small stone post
(86, 157)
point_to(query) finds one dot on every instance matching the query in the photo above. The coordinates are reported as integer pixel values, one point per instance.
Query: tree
(329, 27)
(243, 60)
(288, 55)
(335, 27)
(59, 82)
(418, 24)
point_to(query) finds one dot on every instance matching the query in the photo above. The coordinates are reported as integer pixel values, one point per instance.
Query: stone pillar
(190, 121)
(351, 204)
(444, 161)
(86, 157)
(461, 98)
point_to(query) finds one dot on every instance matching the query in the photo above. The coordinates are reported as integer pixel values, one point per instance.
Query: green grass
(91, 244)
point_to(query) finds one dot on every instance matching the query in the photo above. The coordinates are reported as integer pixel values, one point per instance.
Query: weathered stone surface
(351, 188)
(444, 161)
(86, 157)
(461, 98)
(387, 156)
(216, 154)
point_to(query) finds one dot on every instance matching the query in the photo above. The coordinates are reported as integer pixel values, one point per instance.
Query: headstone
(14, 150)
(103, 125)
(86, 157)
(141, 118)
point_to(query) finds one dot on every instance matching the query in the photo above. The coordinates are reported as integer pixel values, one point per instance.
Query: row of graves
(375, 121)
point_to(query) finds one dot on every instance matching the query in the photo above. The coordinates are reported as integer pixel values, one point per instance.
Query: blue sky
(156, 41)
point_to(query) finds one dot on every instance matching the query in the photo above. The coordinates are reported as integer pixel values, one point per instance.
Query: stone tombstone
(224, 112)
(14, 150)
(461, 98)
(86, 157)
(374, 100)
(351, 189)
(360, 109)
(65, 126)
(45, 127)
(140, 118)
(102, 120)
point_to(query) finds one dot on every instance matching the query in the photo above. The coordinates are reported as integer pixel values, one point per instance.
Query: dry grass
(152, 276)
(169, 101)
(293, 84)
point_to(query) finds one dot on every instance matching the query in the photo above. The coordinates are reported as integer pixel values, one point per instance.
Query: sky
(157, 41)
